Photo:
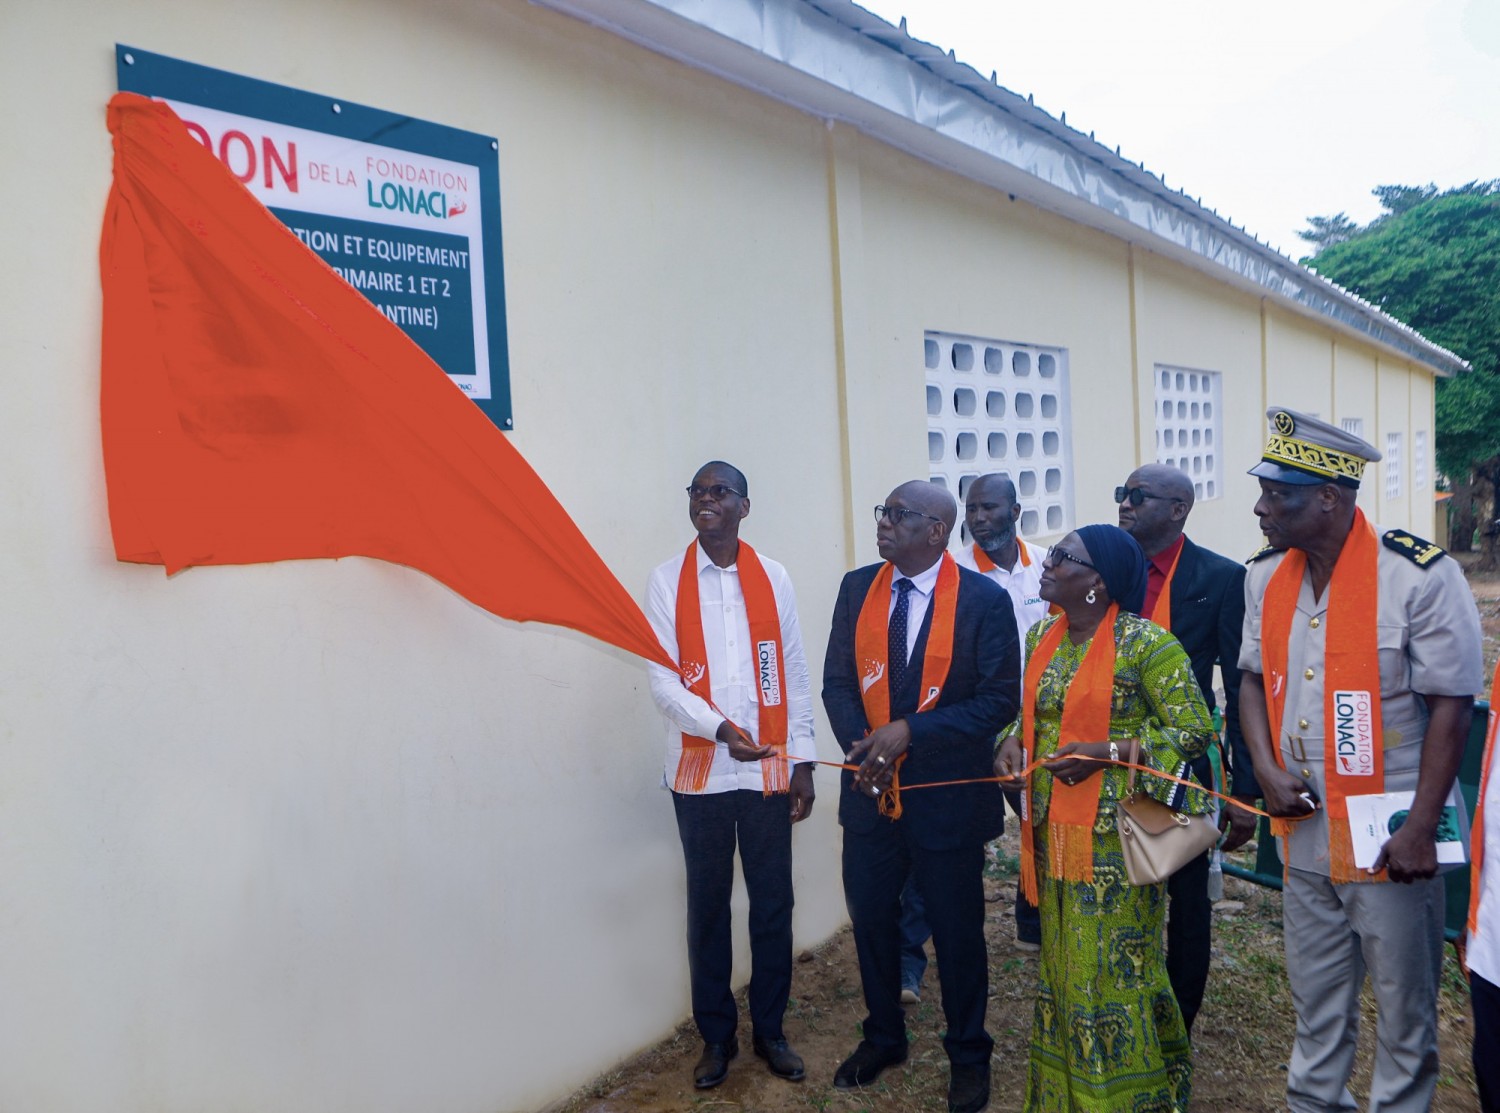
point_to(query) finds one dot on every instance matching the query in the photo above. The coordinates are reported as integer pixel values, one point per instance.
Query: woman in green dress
(1107, 1034)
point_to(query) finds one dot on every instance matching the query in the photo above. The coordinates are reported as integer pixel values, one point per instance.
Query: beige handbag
(1155, 840)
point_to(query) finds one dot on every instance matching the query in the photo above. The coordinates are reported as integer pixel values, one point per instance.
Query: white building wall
(321, 836)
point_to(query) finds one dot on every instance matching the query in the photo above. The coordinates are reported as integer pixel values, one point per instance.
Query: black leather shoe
(969, 1089)
(783, 1061)
(713, 1064)
(865, 1065)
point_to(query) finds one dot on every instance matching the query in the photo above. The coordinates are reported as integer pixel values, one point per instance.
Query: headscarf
(1119, 560)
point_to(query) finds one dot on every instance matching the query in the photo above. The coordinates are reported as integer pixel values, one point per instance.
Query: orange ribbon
(890, 799)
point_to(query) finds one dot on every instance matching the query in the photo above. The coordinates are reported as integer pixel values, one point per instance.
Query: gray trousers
(1334, 935)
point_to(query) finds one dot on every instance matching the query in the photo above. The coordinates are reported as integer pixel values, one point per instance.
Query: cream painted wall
(1356, 394)
(321, 836)
(1298, 364)
(1181, 321)
(1395, 417)
(1427, 519)
(941, 253)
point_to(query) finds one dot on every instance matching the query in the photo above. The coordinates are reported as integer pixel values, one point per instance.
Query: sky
(1269, 112)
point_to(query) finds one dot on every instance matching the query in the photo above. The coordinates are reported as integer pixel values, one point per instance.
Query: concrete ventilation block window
(1190, 426)
(1419, 461)
(1354, 426)
(1001, 406)
(1392, 466)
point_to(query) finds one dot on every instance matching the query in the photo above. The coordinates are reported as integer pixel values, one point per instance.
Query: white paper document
(1375, 818)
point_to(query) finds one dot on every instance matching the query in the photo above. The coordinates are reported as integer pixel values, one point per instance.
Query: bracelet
(1114, 752)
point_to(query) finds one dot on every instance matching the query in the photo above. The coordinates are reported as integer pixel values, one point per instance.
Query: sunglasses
(718, 491)
(1055, 554)
(1138, 496)
(899, 514)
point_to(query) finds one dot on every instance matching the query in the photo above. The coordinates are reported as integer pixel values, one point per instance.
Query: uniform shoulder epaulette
(1415, 549)
(1261, 553)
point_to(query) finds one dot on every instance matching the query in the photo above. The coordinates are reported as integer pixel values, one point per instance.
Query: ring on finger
(880, 758)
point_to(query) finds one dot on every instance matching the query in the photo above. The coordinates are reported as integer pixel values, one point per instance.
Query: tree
(1433, 261)
(1397, 199)
(1325, 231)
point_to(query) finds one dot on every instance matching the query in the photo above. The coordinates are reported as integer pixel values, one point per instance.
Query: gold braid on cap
(1313, 458)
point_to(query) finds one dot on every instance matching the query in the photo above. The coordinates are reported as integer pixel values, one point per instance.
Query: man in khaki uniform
(1391, 623)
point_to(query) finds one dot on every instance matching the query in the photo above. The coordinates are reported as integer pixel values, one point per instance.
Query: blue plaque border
(156, 75)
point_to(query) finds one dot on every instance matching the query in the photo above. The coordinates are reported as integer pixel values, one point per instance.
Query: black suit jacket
(954, 740)
(1208, 618)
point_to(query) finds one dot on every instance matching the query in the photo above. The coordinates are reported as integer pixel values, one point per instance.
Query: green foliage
(1399, 198)
(1325, 231)
(1433, 261)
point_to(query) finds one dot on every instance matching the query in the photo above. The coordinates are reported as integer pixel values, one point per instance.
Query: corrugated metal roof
(836, 60)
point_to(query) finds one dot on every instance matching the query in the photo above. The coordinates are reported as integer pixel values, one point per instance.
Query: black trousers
(1189, 935)
(877, 864)
(710, 825)
(1486, 998)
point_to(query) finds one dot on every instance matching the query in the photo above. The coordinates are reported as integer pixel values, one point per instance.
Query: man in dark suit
(923, 668)
(1204, 607)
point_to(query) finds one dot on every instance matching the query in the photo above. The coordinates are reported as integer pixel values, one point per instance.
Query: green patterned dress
(1107, 1035)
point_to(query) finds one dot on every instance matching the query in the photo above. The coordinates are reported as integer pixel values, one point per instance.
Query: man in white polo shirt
(991, 514)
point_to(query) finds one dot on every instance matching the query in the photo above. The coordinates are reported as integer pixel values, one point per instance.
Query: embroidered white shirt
(732, 669)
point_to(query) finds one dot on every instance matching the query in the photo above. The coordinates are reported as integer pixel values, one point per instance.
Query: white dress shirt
(919, 598)
(731, 669)
(1023, 584)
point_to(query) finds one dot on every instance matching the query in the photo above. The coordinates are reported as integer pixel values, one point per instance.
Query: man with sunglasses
(1200, 597)
(922, 670)
(739, 761)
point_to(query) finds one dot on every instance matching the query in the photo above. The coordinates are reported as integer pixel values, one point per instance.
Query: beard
(999, 539)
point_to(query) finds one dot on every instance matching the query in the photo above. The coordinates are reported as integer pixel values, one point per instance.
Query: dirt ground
(1487, 594)
(1241, 1039)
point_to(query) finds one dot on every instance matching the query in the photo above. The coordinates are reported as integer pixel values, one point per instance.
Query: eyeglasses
(1138, 496)
(899, 514)
(718, 491)
(1055, 554)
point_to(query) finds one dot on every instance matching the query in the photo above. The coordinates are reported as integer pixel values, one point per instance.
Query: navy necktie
(896, 645)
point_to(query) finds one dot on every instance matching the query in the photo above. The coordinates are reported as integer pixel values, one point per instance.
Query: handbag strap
(1135, 745)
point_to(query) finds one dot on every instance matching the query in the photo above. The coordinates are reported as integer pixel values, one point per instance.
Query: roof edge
(834, 60)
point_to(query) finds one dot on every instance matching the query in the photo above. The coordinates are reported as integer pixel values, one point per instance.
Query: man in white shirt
(739, 761)
(991, 514)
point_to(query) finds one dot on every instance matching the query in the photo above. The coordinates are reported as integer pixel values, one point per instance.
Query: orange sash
(765, 635)
(1353, 746)
(983, 562)
(871, 642)
(1161, 613)
(1476, 834)
(1085, 718)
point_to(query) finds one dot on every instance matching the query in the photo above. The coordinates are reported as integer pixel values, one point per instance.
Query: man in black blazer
(939, 838)
(1206, 603)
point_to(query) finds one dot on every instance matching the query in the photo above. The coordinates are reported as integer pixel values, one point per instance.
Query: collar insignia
(1421, 553)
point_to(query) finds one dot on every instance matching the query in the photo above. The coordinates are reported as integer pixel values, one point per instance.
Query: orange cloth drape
(254, 407)
(1087, 707)
(1351, 665)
